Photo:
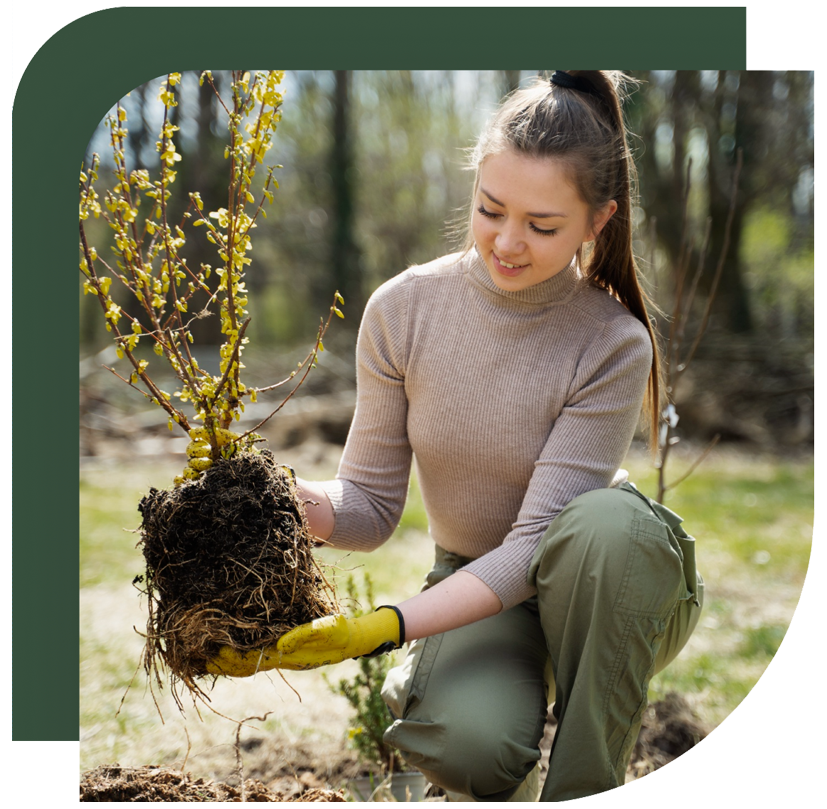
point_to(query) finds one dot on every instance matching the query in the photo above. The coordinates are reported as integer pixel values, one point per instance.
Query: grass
(752, 516)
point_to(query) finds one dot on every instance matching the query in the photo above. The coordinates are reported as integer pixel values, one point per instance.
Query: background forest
(373, 181)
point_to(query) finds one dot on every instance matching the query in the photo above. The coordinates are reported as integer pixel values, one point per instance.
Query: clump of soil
(228, 563)
(129, 784)
(669, 728)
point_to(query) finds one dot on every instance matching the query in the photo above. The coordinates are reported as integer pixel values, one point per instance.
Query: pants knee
(609, 542)
(594, 525)
(471, 760)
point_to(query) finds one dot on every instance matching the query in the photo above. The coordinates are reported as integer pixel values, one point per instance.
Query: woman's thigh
(470, 705)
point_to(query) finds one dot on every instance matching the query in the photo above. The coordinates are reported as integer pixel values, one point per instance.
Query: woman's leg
(612, 585)
(470, 705)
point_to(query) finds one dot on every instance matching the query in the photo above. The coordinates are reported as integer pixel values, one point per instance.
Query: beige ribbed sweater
(511, 403)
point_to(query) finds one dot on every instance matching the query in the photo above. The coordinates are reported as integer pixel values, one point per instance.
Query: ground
(295, 736)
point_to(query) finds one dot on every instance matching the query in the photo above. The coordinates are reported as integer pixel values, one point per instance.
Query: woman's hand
(322, 642)
(459, 600)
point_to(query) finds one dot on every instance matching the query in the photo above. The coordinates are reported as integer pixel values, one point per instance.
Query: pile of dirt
(669, 728)
(228, 563)
(128, 784)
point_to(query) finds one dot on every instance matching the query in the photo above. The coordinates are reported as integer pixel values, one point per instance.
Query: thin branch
(320, 336)
(695, 464)
(233, 359)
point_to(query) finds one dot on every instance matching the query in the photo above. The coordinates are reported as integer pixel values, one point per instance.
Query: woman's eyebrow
(534, 215)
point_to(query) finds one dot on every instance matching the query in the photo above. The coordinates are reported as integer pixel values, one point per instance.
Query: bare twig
(238, 757)
(676, 364)
(695, 464)
(319, 346)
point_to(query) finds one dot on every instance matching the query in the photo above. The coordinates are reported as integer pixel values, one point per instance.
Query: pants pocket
(653, 577)
(681, 625)
(405, 684)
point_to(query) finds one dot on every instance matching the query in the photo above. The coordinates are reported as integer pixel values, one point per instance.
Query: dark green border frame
(69, 86)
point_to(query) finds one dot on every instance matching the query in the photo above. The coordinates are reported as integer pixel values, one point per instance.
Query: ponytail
(612, 265)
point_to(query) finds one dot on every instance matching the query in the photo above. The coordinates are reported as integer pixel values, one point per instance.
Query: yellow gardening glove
(327, 640)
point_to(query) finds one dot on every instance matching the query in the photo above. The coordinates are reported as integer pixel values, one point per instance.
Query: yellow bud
(200, 464)
(222, 436)
(198, 449)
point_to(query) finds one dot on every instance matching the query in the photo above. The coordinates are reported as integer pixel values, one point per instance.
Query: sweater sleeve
(371, 485)
(585, 447)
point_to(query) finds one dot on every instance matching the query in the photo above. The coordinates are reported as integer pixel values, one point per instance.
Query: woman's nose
(509, 240)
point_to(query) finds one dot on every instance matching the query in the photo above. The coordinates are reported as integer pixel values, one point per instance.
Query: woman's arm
(460, 599)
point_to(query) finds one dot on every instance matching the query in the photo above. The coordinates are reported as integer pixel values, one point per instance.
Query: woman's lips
(502, 269)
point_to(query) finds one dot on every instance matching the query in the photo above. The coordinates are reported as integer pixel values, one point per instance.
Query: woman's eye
(489, 214)
(552, 232)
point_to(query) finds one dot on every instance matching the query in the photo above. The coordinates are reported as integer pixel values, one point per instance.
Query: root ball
(228, 562)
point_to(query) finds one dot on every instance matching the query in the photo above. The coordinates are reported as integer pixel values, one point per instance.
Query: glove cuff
(399, 618)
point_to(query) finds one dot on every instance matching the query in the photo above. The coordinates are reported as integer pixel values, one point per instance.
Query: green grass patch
(752, 517)
(762, 641)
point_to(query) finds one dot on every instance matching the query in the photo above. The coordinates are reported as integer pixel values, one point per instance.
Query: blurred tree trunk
(510, 81)
(754, 93)
(207, 175)
(685, 106)
(138, 135)
(660, 189)
(344, 259)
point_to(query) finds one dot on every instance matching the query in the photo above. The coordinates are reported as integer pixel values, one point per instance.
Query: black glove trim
(401, 622)
(385, 648)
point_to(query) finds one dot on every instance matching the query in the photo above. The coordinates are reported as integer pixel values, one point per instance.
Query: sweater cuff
(494, 568)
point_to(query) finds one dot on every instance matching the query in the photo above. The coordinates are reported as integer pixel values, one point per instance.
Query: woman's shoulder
(600, 304)
(400, 286)
(614, 329)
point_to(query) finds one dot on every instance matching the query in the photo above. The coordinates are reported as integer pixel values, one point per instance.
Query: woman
(515, 373)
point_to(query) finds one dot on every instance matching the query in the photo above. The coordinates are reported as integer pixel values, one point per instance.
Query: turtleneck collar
(553, 290)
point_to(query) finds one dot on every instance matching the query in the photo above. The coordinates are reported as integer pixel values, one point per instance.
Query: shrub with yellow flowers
(227, 544)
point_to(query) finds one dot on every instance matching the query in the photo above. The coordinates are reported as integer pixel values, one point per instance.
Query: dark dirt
(669, 728)
(132, 784)
(228, 562)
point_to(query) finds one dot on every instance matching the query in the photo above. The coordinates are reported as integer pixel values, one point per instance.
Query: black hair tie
(563, 79)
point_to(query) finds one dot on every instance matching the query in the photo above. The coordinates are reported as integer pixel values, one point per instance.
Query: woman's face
(528, 220)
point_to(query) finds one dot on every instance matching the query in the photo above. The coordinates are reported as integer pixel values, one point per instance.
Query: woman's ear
(601, 217)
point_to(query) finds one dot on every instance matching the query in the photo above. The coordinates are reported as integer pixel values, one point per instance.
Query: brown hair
(584, 128)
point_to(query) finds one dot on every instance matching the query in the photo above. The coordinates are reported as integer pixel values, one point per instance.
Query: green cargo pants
(617, 598)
